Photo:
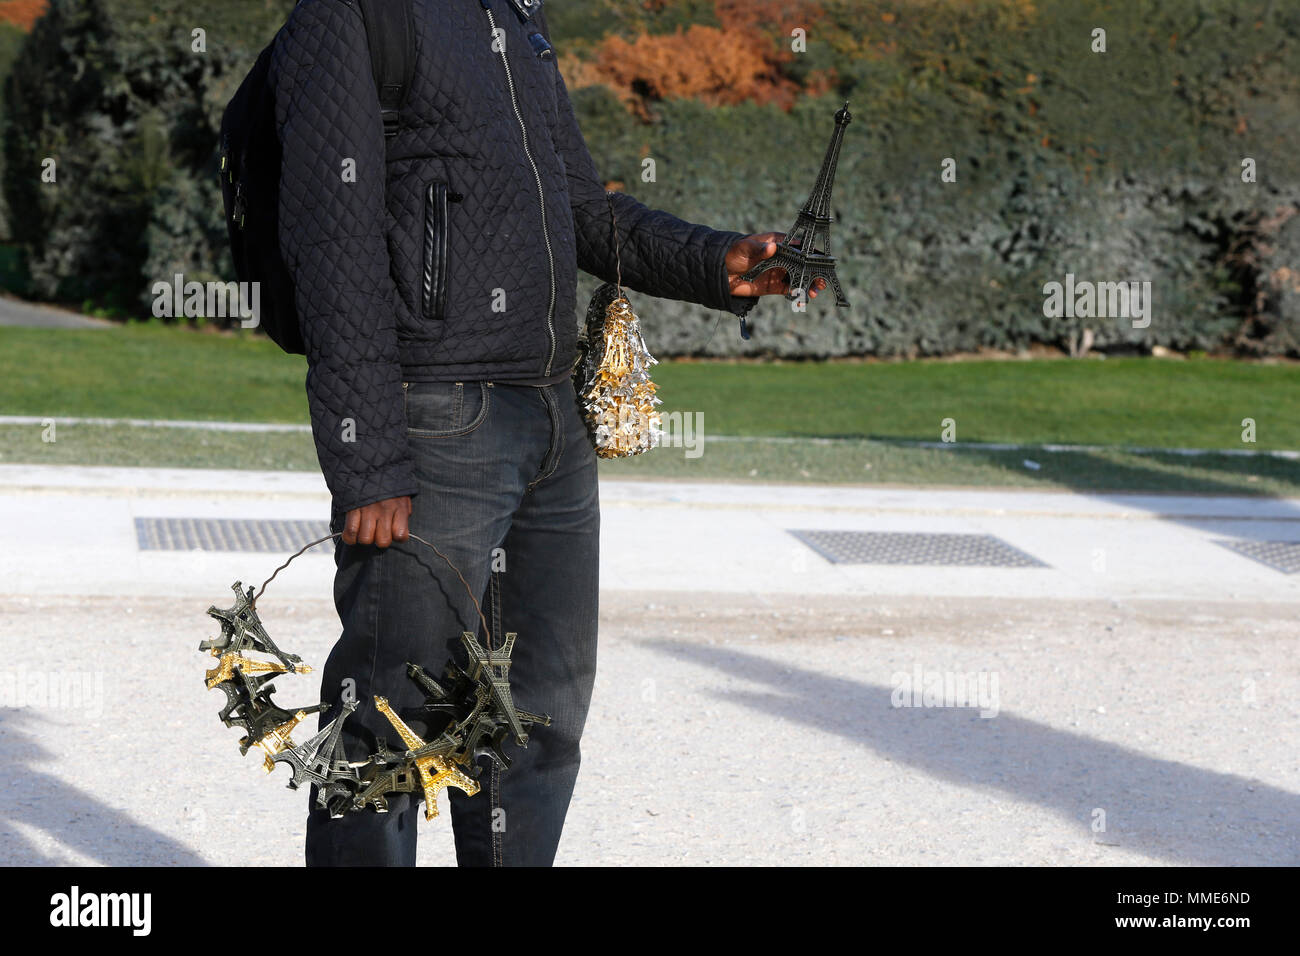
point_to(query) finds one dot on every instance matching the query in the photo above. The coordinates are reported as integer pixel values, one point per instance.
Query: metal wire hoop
(413, 537)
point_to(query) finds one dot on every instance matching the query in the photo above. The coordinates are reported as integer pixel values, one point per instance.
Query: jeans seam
(494, 781)
(557, 437)
(378, 603)
(495, 582)
(498, 850)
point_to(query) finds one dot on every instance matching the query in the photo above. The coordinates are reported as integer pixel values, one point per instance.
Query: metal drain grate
(1281, 556)
(226, 534)
(903, 547)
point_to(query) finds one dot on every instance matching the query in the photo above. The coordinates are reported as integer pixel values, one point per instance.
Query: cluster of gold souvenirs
(477, 700)
(618, 397)
(436, 772)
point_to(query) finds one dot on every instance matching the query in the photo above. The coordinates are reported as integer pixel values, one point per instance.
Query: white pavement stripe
(719, 496)
(1004, 446)
(755, 439)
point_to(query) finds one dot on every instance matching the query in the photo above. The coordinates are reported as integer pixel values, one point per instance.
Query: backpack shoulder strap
(390, 34)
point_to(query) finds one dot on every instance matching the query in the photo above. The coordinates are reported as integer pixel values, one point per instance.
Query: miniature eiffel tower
(241, 629)
(319, 760)
(810, 259)
(436, 771)
(492, 670)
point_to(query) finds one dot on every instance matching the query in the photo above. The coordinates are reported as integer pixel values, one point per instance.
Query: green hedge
(112, 90)
(11, 41)
(1115, 166)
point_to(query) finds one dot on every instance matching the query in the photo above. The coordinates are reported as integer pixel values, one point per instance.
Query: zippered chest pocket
(434, 279)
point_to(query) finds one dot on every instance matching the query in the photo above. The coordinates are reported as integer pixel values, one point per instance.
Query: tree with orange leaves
(739, 60)
(22, 13)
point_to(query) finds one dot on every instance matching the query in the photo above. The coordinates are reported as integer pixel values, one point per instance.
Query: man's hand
(379, 524)
(749, 252)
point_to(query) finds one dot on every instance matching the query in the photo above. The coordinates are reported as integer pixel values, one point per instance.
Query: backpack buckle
(238, 207)
(525, 8)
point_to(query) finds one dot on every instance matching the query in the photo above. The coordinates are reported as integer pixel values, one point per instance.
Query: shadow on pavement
(1158, 807)
(1139, 477)
(76, 818)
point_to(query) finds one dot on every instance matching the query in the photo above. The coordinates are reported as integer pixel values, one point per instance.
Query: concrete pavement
(78, 525)
(753, 703)
(19, 312)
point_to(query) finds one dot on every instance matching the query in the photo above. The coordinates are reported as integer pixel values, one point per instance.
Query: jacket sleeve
(333, 239)
(660, 254)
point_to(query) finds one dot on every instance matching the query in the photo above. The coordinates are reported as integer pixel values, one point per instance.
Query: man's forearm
(659, 254)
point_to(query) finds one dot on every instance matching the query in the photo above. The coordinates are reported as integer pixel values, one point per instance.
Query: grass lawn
(1118, 401)
(149, 371)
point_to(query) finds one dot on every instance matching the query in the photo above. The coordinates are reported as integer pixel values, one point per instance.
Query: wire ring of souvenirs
(469, 710)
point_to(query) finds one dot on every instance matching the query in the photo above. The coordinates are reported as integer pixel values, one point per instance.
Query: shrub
(113, 92)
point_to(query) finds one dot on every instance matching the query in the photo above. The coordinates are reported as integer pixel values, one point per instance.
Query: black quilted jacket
(449, 253)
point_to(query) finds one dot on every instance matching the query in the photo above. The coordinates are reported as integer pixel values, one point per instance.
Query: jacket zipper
(541, 195)
(435, 251)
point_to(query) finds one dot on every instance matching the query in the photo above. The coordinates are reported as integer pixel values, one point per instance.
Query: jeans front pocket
(445, 409)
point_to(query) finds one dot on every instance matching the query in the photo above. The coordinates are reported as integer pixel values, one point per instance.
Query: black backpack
(250, 162)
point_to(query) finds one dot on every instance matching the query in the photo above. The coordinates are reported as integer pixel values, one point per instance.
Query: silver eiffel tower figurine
(811, 258)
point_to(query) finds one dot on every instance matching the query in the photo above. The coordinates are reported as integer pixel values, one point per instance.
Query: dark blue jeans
(507, 490)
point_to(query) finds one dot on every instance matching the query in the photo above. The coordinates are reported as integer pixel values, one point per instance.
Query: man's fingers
(401, 522)
(766, 284)
(755, 249)
(383, 531)
(762, 246)
(366, 533)
(380, 523)
(774, 282)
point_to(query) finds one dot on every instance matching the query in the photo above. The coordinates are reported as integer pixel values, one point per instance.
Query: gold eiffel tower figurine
(444, 773)
(225, 669)
(277, 740)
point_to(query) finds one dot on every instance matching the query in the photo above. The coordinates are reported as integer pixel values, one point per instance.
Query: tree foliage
(125, 98)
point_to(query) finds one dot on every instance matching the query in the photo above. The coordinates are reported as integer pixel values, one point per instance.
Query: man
(435, 279)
